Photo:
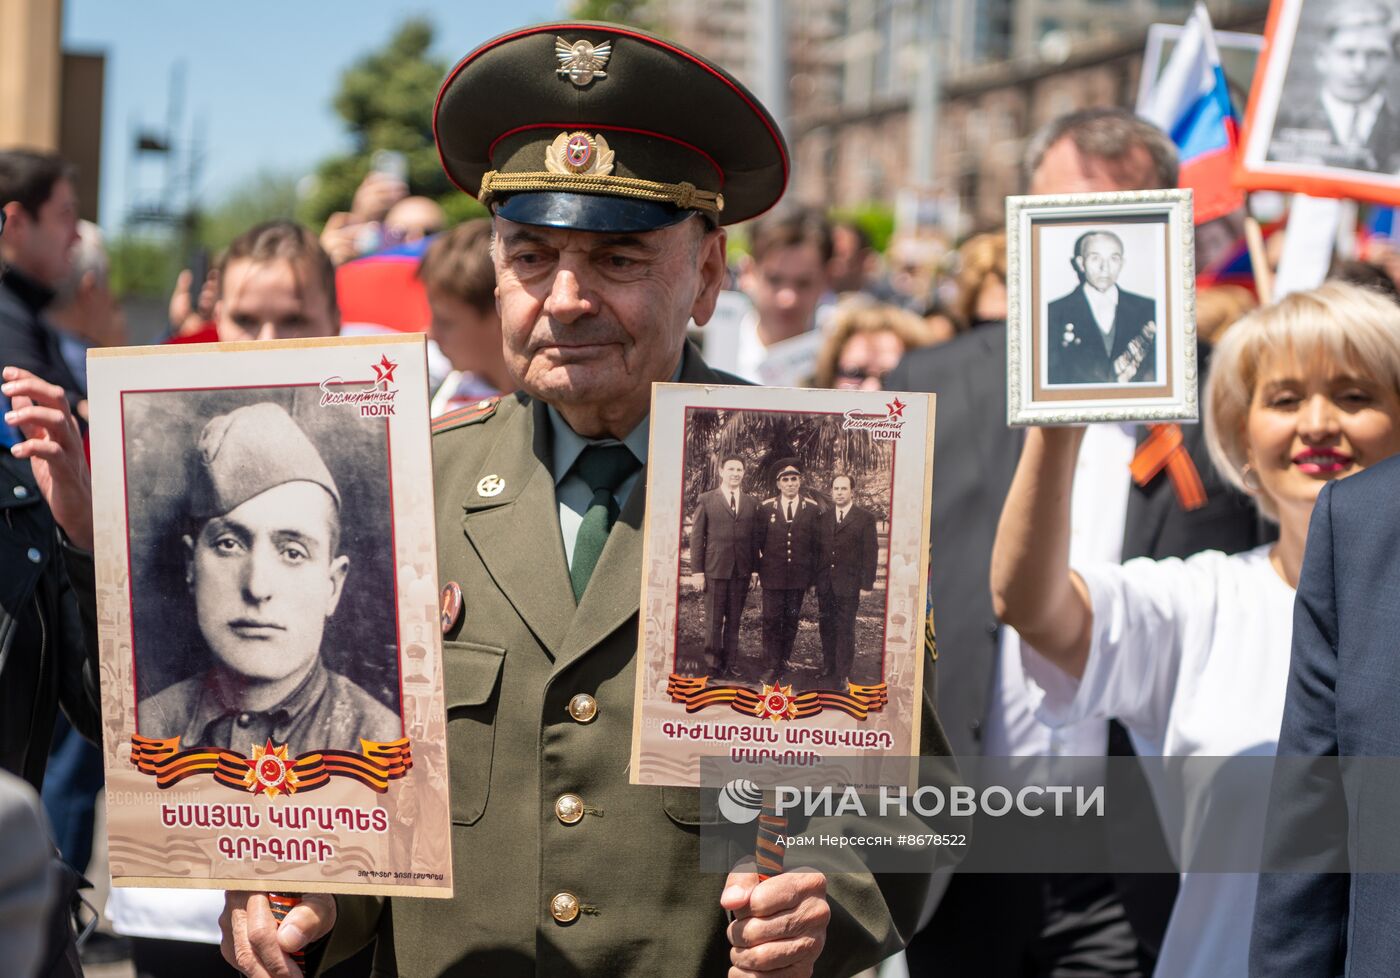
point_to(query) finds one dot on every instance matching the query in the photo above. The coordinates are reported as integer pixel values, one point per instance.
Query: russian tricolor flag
(1192, 103)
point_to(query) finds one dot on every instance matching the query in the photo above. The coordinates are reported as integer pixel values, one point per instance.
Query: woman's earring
(1250, 478)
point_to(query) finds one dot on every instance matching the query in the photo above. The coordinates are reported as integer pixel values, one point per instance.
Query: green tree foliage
(633, 13)
(386, 100)
(142, 266)
(266, 196)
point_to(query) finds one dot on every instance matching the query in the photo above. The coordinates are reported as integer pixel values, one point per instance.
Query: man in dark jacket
(48, 616)
(849, 551)
(723, 554)
(41, 227)
(787, 562)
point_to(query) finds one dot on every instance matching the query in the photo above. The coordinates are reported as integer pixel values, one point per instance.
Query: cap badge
(577, 153)
(581, 61)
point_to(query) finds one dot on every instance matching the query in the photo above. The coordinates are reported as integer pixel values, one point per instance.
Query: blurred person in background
(1368, 275)
(85, 314)
(981, 281)
(1218, 307)
(867, 339)
(350, 234)
(41, 227)
(460, 278)
(26, 887)
(785, 277)
(940, 320)
(849, 268)
(84, 310)
(48, 614)
(412, 219)
(276, 283)
(1193, 656)
(1100, 924)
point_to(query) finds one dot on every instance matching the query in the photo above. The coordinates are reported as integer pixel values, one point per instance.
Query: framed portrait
(268, 617)
(1101, 308)
(1324, 110)
(784, 589)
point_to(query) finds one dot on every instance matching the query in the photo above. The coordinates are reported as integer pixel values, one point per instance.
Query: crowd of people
(1084, 605)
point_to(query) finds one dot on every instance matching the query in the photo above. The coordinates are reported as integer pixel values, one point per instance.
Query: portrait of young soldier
(847, 560)
(265, 571)
(1100, 333)
(1340, 113)
(788, 539)
(723, 560)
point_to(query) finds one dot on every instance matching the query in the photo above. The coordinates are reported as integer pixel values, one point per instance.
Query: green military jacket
(520, 654)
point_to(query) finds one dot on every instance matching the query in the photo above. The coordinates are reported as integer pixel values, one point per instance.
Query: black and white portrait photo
(1100, 307)
(783, 547)
(1101, 332)
(263, 589)
(1324, 111)
(1338, 103)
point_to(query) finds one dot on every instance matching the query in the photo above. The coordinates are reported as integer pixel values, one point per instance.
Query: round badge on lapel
(490, 485)
(450, 605)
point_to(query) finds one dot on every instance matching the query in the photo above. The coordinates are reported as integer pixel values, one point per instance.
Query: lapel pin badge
(450, 605)
(490, 485)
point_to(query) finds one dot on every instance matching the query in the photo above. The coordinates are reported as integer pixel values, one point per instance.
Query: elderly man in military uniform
(1100, 333)
(849, 553)
(610, 159)
(788, 541)
(723, 557)
(264, 566)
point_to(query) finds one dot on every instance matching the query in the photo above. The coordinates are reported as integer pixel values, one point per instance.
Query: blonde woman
(866, 341)
(1192, 656)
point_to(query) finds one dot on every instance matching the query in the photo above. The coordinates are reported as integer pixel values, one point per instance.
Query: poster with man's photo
(784, 589)
(1101, 308)
(268, 617)
(1324, 110)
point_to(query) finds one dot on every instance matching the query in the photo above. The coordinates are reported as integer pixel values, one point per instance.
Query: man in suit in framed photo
(848, 558)
(1099, 333)
(1344, 117)
(723, 559)
(788, 538)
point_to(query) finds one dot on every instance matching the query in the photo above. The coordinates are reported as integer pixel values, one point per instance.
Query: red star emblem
(270, 771)
(776, 703)
(896, 408)
(384, 370)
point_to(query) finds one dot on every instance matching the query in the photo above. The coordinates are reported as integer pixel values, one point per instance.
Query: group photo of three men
(787, 545)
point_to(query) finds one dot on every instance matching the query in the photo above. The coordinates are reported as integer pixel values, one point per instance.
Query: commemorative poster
(783, 599)
(268, 617)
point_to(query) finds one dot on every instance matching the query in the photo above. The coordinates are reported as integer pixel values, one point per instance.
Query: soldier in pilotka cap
(265, 570)
(610, 160)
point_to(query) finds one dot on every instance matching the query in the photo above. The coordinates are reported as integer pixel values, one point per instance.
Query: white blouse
(1192, 657)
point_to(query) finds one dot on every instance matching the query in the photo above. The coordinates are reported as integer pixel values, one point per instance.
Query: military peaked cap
(600, 127)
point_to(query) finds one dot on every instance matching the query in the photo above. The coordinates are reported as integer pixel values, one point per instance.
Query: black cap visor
(590, 212)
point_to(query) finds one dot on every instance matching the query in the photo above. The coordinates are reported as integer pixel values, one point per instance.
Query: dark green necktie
(604, 468)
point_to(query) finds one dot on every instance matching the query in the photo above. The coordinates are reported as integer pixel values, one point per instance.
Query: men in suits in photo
(848, 556)
(1343, 687)
(1348, 121)
(995, 926)
(1099, 333)
(788, 538)
(723, 559)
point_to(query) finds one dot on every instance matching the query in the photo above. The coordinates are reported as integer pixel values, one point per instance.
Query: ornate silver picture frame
(1101, 313)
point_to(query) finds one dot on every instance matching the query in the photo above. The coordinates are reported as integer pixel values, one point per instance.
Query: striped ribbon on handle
(282, 904)
(769, 848)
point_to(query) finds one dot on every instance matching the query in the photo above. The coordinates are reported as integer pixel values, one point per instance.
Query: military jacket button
(583, 708)
(564, 907)
(569, 809)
